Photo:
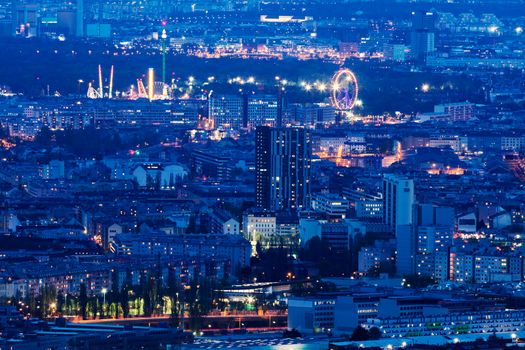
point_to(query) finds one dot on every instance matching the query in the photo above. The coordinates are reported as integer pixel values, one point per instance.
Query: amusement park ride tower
(99, 92)
(345, 92)
(154, 90)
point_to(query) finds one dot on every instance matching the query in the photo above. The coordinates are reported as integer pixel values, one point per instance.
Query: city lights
(262, 174)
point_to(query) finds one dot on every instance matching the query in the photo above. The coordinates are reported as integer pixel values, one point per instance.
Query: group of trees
(361, 333)
(87, 142)
(277, 258)
(417, 281)
(272, 264)
(91, 142)
(151, 296)
(330, 260)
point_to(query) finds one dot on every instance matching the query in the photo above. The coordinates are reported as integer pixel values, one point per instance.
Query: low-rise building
(311, 315)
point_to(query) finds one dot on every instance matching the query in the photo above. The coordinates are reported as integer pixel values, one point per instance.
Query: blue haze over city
(262, 174)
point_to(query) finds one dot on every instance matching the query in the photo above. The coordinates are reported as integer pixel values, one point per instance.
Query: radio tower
(164, 36)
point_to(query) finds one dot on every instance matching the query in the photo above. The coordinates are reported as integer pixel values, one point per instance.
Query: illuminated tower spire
(164, 36)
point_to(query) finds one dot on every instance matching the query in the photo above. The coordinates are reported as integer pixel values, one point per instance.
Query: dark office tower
(283, 158)
(79, 31)
(27, 20)
(422, 36)
(67, 22)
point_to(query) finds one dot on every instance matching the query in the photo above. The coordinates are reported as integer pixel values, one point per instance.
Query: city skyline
(330, 175)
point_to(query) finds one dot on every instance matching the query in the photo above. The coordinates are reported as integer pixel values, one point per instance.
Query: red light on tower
(164, 23)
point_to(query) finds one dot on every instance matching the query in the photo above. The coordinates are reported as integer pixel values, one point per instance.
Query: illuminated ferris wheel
(345, 90)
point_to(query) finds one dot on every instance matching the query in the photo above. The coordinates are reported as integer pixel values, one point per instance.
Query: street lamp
(104, 291)
(80, 82)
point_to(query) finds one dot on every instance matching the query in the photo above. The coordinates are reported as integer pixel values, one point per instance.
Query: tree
(83, 300)
(312, 287)
(114, 295)
(44, 137)
(275, 264)
(124, 295)
(417, 281)
(192, 225)
(149, 182)
(171, 183)
(374, 333)
(196, 312)
(493, 338)
(292, 333)
(124, 300)
(158, 179)
(145, 289)
(173, 293)
(360, 333)
(32, 303)
(48, 297)
(61, 306)
(330, 261)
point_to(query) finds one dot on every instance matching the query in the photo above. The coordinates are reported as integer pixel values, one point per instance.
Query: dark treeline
(93, 142)
(389, 8)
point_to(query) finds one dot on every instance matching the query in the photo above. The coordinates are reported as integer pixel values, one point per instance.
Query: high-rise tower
(80, 18)
(283, 157)
(422, 37)
(398, 213)
(398, 199)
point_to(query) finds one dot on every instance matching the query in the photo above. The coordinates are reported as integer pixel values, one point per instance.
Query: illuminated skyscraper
(283, 157)
(226, 111)
(434, 227)
(398, 206)
(262, 110)
(398, 199)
